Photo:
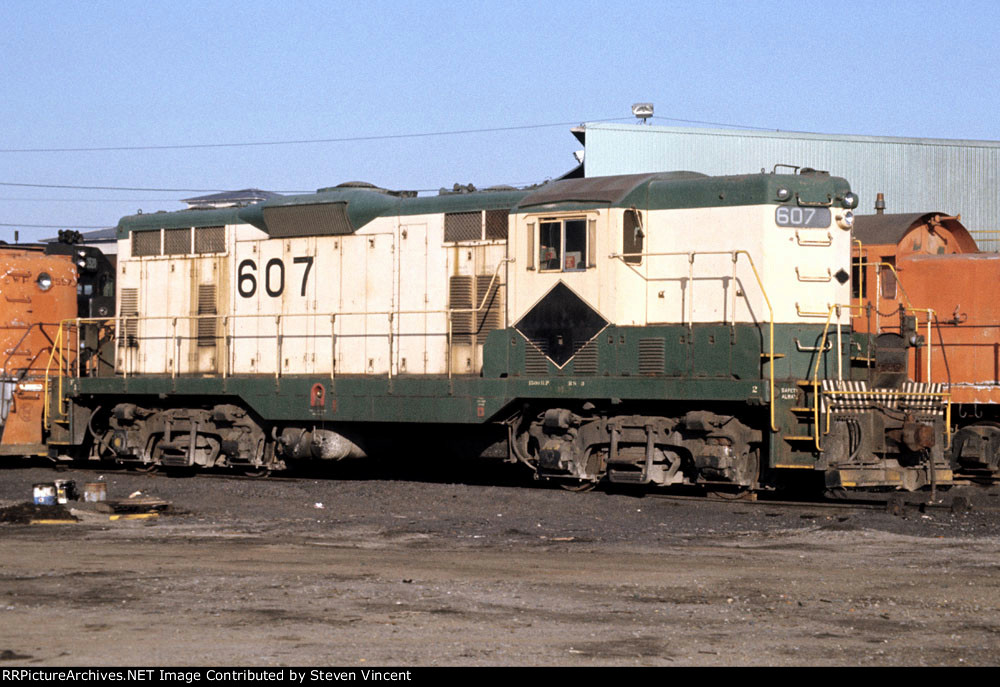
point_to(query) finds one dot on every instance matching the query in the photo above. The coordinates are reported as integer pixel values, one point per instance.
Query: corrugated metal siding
(916, 174)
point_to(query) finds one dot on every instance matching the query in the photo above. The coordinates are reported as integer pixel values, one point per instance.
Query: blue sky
(132, 74)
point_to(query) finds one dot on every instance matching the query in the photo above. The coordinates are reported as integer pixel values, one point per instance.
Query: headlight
(846, 220)
(44, 281)
(784, 194)
(850, 201)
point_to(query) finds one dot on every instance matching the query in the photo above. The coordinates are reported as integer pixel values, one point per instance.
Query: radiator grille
(585, 361)
(535, 362)
(496, 225)
(206, 306)
(145, 243)
(307, 220)
(460, 298)
(463, 226)
(491, 301)
(176, 241)
(210, 240)
(129, 310)
(651, 356)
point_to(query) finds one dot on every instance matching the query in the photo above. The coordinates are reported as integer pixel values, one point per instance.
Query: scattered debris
(895, 505)
(51, 521)
(141, 504)
(27, 513)
(8, 655)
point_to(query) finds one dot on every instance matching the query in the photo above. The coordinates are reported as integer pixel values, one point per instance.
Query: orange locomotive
(40, 286)
(922, 277)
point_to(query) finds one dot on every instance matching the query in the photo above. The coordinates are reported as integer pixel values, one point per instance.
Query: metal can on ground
(95, 491)
(45, 494)
(65, 491)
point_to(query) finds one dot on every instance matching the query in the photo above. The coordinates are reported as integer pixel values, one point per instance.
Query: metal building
(915, 174)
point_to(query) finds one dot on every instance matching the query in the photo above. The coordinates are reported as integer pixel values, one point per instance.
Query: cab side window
(888, 277)
(562, 245)
(576, 245)
(632, 237)
(549, 245)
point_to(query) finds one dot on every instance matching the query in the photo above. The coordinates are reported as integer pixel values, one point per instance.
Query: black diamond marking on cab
(560, 324)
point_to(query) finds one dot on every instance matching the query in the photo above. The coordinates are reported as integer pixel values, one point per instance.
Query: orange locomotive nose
(37, 292)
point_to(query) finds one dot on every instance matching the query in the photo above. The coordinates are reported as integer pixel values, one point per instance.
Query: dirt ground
(383, 567)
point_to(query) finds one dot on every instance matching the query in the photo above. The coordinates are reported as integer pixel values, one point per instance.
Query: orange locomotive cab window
(888, 277)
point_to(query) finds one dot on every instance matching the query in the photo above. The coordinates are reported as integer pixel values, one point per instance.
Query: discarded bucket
(65, 491)
(95, 491)
(45, 494)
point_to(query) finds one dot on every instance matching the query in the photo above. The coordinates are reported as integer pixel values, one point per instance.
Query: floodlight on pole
(642, 111)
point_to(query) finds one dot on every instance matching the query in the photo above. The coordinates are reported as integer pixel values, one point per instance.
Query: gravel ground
(372, 565)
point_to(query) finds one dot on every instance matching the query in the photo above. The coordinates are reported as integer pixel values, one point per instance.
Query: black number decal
(275, 286)
(308, 261)
(274, 262)
(247, 284)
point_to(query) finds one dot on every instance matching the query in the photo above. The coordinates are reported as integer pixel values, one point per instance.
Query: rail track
(952, 500)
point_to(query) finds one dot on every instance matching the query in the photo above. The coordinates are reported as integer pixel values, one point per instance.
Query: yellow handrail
(56, 350)
(882, 392)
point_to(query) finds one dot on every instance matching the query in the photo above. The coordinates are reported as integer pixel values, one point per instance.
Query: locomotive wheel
(733, 493)
(577, 487)
(992, 462)
(265, 452)
(740, 492)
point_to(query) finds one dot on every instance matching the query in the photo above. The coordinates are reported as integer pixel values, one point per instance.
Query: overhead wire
(309, 141)
(119, 188)
(343, 139)
(728, 126)
(176, 190)
(55, 226)
(374, 137)
(80, 200)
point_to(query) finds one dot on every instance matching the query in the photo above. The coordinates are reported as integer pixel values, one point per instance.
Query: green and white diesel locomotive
(656, 329)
